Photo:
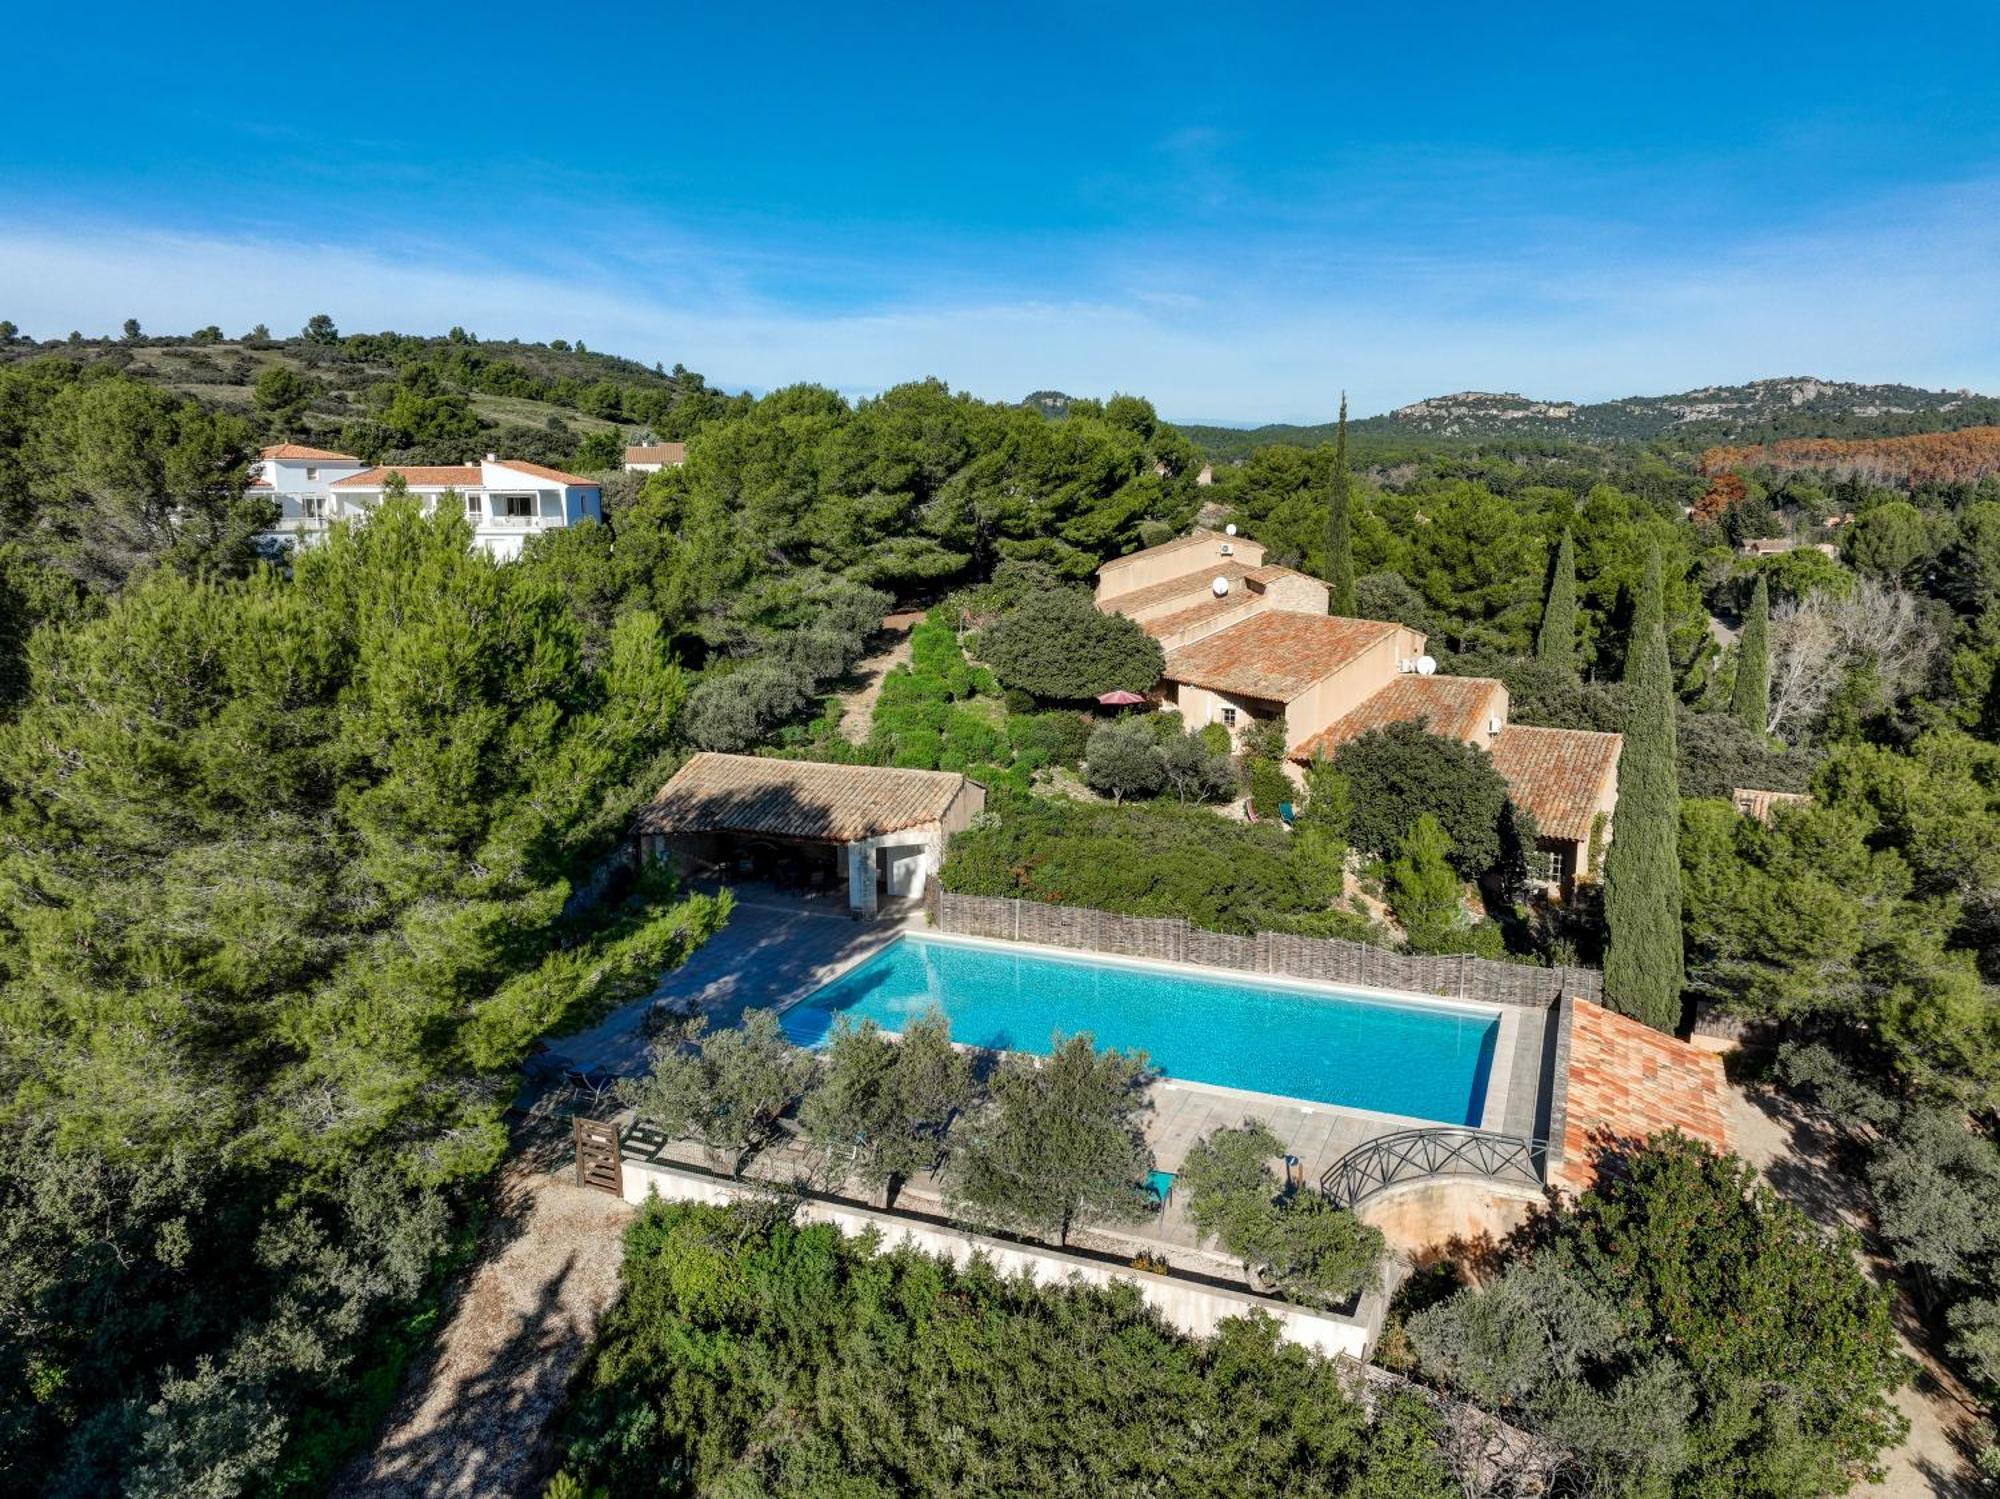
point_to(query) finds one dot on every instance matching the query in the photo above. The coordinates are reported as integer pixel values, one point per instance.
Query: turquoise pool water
(1424, 1061)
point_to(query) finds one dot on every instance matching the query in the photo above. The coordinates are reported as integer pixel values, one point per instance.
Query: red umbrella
(1120, 699)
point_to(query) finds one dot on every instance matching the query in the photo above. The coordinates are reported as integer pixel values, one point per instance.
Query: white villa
(651, 457)
(506, 500)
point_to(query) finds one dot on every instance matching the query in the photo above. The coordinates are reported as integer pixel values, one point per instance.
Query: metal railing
(1386, 1161)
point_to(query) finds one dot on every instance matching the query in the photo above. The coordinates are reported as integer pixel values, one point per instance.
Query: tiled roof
(1276, 655)
(1557, 774)
(1455, 707)
(458, 475)
(1627, 1081)
(293, 450)
(657, 452)
(1190, 584)
(522, 466)
(1197, 537)
(715, 793)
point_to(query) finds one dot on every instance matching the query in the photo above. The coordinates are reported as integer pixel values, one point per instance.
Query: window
(312, 506)
(312, 473)
(1544, 864)
(517, 505)
(472, 504)
(1229, 718)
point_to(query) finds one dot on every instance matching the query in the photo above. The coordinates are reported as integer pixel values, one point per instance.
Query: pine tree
(1642, 877)
(1339, 527)
(1751, 698)
(1423, 887)
(1556, 641)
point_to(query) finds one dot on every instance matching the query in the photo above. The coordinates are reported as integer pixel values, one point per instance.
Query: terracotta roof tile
(716, 793)
(293, 450)
(657, 452)
(1277, 655)
(1455, 707)
(1197, 537)
(1557, 774)
(459, 475)
(1194, 586)
(540, 472)
(1628, 1081)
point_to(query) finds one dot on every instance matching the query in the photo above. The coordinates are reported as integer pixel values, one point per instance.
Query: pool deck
(779, 947)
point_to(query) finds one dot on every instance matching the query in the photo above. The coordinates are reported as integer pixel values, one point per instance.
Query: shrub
(1154, 859)
(1399, 773)
(739, 710)
(1122, 758)
(1680, 1328)
(1061, 647)
(748, 1355)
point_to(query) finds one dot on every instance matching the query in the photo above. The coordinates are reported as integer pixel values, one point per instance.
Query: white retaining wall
(1193, 1308)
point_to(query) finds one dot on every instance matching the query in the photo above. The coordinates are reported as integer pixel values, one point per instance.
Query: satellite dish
(1220, 587)
(1426, 665)
(1230, 529)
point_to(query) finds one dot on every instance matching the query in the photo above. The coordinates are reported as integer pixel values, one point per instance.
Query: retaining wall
(1190, 1306)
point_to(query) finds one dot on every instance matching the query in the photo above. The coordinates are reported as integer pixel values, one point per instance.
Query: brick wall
(1326, 960)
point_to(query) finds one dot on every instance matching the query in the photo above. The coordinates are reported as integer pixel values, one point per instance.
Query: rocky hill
(1761, 411)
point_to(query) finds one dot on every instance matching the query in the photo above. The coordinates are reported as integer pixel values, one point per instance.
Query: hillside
(391, 396)
(1961, 457)
(1760, 412)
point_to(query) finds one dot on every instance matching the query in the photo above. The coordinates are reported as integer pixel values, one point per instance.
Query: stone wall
(1326, 960)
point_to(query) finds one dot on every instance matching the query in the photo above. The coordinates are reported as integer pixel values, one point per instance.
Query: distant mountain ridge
(1760, 411)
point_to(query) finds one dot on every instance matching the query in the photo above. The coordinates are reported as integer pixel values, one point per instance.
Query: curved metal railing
(1386, 1161)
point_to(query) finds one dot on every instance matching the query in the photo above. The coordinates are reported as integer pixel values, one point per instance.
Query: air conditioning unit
(1228, 550)
(1495, 724)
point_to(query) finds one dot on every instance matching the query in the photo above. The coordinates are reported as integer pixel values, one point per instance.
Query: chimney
(492, 457)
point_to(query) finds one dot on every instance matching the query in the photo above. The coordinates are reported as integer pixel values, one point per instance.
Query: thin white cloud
(1253, 329)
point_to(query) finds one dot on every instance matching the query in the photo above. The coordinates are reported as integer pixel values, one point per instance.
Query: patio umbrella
(1120, 699)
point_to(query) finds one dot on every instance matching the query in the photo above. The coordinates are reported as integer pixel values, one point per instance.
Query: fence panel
(1325, 960)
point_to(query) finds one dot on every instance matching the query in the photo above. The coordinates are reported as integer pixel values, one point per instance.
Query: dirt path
(473, 1421)
(889, 649)
(1798, 1158)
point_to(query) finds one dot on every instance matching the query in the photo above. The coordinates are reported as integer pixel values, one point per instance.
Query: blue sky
(1236, 210)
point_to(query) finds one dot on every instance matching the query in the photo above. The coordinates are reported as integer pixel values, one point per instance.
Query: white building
(650, 457)
(507, 501)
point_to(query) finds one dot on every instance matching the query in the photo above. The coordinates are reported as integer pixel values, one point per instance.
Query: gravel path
(1797, 1158)
(891, 649)
(473, 1420)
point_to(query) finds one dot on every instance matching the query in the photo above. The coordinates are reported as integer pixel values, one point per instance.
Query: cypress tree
(1557, 639)
(1339, 531)
(1751, 698)
(1642, 876)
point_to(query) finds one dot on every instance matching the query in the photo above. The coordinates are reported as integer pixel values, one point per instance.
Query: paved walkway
(774, 946)
(1800, 1160)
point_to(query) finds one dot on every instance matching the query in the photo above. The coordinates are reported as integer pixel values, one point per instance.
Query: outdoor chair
(1160, 1185)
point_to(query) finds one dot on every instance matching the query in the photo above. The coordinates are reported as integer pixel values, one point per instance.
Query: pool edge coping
(1499, 1076)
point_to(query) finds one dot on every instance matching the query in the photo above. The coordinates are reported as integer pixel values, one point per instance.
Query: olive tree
(883, 1109)
(1298, 1245)
(1057, 1141)
(727, 1090)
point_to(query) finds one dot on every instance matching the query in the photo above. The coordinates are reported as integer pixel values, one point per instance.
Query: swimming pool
(1424, 1061)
